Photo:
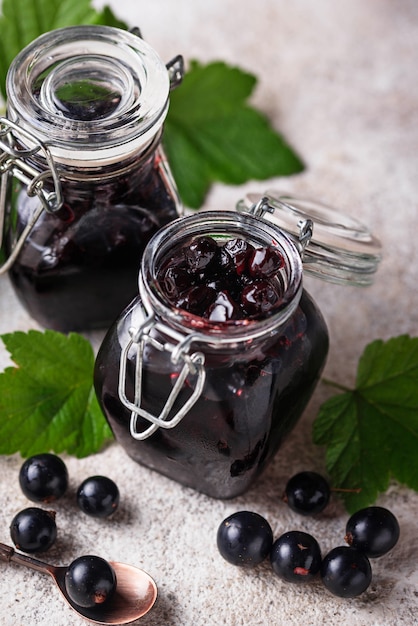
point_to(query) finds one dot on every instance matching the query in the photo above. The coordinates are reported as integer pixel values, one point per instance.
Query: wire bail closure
(14, 165)
(193, 364)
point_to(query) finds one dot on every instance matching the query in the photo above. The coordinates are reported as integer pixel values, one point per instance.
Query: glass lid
(89, 92)
(341, 250)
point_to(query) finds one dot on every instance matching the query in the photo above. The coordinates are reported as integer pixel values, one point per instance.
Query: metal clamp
(265, 205)
(13, 164)
(175, 67)
(179, 352)
(305, 234)
(176, 71)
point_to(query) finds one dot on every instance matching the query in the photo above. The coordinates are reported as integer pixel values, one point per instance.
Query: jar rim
(214, 223)
(125, 79)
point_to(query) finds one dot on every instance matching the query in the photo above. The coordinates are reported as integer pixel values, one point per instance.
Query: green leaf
(212, 134)
(48, 402)
(371, 432)
(107, 18)
(24, 20)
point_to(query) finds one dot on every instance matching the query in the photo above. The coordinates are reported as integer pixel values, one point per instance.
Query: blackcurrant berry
(200, 253)
(33, 530)
(346, 572)
(239, 251)
(175, 280)
(43, 478)
(265, 262)
(196, 300)
(296, 557)
(90, 581)
(98, 496)
(260, 297)
(373, 530)
(223, 308)
(244, 538)
(307, 493)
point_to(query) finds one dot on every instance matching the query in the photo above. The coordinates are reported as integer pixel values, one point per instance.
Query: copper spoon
(135, 593)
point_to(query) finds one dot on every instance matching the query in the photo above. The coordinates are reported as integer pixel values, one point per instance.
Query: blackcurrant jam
(208, 399)
(87, 181)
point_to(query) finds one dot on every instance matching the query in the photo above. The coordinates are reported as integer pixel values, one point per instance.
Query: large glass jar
(85, 183)
(208, 403)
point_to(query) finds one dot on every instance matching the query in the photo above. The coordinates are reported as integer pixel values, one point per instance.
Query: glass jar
(85, 183)
(209, 403)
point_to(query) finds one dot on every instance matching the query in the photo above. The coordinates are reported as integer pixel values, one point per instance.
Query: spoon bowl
(135, 595)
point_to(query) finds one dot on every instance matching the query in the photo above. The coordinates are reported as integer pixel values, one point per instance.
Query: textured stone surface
(339, 80)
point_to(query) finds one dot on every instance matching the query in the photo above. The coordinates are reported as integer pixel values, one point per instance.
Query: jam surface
(252, 396)
(223, 281)
(79, 269)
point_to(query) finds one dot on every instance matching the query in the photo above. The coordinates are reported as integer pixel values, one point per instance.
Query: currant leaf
(24, 20)
(47, 402)
(213, 134)
(371, 432)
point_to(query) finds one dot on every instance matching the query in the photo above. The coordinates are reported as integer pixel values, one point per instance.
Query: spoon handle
(7, 553)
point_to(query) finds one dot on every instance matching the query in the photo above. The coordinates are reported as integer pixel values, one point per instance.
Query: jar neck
(92, 172)
(220, 225)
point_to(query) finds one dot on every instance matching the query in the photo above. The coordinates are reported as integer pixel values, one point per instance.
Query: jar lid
(341, 250)
(91, 93)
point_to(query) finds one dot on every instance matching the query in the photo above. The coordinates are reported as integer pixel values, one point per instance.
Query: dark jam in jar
(79, 268)
(88, 183)
(222, 282)
(262, 354)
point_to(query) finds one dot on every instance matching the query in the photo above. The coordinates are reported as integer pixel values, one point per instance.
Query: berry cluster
(43, 478)
(222, 281)
(246, 539)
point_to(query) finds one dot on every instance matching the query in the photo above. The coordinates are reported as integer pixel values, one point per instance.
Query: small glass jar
(209, 403)
(85, 183)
